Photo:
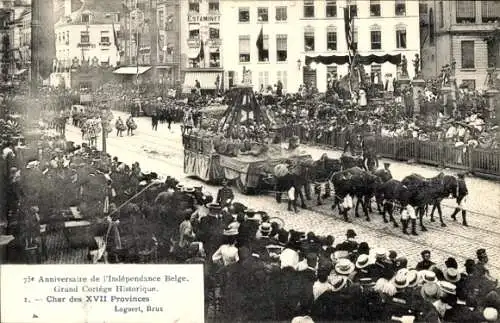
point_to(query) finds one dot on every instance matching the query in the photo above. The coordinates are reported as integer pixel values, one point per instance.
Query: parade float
(243, 146)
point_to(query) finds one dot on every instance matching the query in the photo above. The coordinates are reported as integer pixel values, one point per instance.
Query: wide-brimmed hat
(448, 288)
(188, 189)
(451, 275)
(428, 276)
(362, 261)
(344, 267)
(430, 292)
(179, 186)
(412, 278)
(338, 283)
(265, 228)
(250, 212)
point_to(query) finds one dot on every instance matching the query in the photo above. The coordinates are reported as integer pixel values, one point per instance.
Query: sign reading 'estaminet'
(95, 293)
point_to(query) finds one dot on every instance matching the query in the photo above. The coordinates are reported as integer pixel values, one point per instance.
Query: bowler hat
(351, 233)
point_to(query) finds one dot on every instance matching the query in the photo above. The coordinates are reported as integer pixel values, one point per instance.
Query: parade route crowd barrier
(479, 161)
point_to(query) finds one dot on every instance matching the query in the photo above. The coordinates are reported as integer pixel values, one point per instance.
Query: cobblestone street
(162, 152)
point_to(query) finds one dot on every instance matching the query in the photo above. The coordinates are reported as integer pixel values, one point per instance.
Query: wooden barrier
(440, 154)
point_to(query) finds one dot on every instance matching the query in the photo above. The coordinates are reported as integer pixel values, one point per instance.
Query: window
(490, 10)
(376, 39)
(401, 37)
(262, 14)
(308, 9)
(281, 14)
(264, 54)
(161, 21)
(244, 49)
(400, 8)
(85, 18)
(194, 7)
(422, 8)
(214, 31)
(244, 15)
(469, 84)
(281, 48)
(84, 37)
(105, 37)
(467, 54)
(215, 59)
(441, 14)
(376, 70)
(375, 8)
(491, 50)
(264, 78)
(331, 73)
(331, 8)
(466, 11)
(309, 41)
(213, 6)
(282, 76)
(331, 40)
(67, 37)
(194, 31)
(353, 10)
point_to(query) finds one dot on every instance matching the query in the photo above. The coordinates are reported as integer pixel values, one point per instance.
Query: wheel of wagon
(241, 187)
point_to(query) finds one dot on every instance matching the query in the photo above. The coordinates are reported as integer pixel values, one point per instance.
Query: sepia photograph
(249, 161)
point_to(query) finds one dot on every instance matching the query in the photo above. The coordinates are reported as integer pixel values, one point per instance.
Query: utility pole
(154, 40)
(35, 46)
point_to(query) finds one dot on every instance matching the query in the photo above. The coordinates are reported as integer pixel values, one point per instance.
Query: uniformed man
(225, 195)
(461, 199)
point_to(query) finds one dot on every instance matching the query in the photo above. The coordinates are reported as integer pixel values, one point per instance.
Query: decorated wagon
(241, 147)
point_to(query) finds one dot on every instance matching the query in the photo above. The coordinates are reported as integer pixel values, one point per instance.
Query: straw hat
(428, 276)
(338, 283)
(362, 261)
(400, 280)
(451, 275)
(448, 288)
(430, 291)
(412, 278)
(344, 267)
(490, 314)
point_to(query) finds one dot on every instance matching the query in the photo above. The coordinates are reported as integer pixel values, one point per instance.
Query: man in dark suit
(225, 195)
(426, 262)
(350, 245)
(210, 230)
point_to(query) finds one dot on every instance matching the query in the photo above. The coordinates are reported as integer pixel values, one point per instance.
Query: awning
(206, 79)
(21, 71)
(132, 70)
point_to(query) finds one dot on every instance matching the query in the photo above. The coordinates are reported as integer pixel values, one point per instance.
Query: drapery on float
(243, 147)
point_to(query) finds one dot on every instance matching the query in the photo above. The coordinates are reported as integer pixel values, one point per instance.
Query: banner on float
(101, 293)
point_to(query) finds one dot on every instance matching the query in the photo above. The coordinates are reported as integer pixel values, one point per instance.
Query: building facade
(169, 54)
(201, 43)
(466, 32)
(88, 35)
(295, 29)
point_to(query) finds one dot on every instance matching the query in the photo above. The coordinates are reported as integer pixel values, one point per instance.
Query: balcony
(193, 42)
(214, 42)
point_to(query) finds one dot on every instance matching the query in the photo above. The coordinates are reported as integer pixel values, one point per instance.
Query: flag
(349, 34)
(260, 42)
(115, 36)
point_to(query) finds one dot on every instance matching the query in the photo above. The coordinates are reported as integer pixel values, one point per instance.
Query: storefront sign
(201, 18)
